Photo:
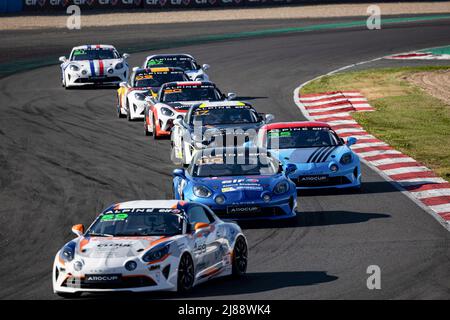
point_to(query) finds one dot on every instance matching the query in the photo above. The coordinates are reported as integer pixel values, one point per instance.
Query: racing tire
(147, 133)
(186, 275)
(240, 258)
(68, 295)
(128, 112)
(155, 134)
(119, 113)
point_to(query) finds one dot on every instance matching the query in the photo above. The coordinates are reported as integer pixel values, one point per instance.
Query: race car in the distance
(226, 123)
(173, 100)
(149, 246)
(143, 83)
(94, 65)
(183, 61)
(323, 159)
(238, 183)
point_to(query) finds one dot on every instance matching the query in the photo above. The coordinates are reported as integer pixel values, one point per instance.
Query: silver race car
(183, 61)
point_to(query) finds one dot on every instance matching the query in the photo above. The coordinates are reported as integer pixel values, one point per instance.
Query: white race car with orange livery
(173, 101)
(158, 245)
(143, 83)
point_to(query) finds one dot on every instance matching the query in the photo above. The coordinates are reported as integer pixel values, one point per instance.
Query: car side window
(197, 214)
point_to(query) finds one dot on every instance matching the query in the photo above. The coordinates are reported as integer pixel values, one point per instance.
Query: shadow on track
(251, 283)
(312, 219)
(366, 188)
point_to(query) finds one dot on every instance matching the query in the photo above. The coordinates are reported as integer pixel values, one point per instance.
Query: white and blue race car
(146, 245)
(184, 61)
(94, 65)
(323, 160)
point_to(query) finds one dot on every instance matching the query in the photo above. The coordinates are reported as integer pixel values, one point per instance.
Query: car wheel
(128, 112)
(119, 112)
(186, 274)
(147, 133)
(239, 259)
(68, 295)
(155, 134)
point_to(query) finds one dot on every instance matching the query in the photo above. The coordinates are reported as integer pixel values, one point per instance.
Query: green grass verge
(406, 117)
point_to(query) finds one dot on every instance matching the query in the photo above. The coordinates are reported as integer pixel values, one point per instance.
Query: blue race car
(238, 183)
(323, 160)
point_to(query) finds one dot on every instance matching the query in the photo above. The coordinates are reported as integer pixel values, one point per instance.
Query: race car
(146, 245)
(93, 65)
(183, 61)
(143, 83)
(214, 124)
(174, 100)
(323, 159)
(238, 183)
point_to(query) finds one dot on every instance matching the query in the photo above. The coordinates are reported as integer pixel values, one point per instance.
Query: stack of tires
(10, 6)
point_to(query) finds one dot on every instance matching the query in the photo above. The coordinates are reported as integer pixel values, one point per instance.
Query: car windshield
(191, 94)
(224, 115)
(232, 165)
(141, 222)
(94, 54)
(157, 79)
(290, 138)
(172, 62)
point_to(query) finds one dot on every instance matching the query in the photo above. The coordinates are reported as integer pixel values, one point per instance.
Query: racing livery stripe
(91, 65)
(325, 157)
(101, 67)
(334, 108)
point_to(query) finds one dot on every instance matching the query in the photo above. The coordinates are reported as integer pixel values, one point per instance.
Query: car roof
(295, 124)
(188, 83)
(224, 104)
(158, 69)
(170, 55)
(160, 204)
(94, 46)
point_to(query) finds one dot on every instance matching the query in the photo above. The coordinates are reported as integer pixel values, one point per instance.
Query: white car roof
(142, 204)
(103, 46)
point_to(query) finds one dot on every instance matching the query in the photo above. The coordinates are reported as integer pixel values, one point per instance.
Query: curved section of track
(65, 155)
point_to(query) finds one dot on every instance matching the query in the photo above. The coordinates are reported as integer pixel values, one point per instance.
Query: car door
(207, 250)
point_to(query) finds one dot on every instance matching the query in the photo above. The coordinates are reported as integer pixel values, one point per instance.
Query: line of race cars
(235, 163)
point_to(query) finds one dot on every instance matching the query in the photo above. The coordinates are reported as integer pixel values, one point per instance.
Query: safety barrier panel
(10, 6)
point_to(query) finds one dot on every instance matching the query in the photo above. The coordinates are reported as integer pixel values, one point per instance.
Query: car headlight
(74, 67)
(68, 251)
(334, 167)
(139, 96)
(202, 192)
(167, 112)
(346, 158)
(110, 71)
(281, 187)
(131, 265)
(266, 198)
(119, 66)
(156, 253)
(84, 72)
(77, 266)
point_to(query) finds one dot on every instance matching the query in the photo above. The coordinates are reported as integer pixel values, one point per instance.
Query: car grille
(330, 181)
(264, 213)
(98, 80)
(124, 282)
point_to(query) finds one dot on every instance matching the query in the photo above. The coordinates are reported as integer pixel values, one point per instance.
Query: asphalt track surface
(64, 155)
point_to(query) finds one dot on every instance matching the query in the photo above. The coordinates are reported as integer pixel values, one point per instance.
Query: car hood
(239, 184)
(115, 247)
(309, 156)
(107, 63)
(222, 129)
(183, 105)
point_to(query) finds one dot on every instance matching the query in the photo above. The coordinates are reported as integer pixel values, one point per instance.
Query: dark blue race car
(238, 183)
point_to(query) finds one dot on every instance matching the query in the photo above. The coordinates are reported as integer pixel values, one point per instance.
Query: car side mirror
(178, 122)
(205, 67)
(231, 95)
(123, 84)
(290, 168)
(269, 118)
(125, 56)
(179, 173)
(62, 59)
(351, 141)
(78, 229)
(200, 225)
